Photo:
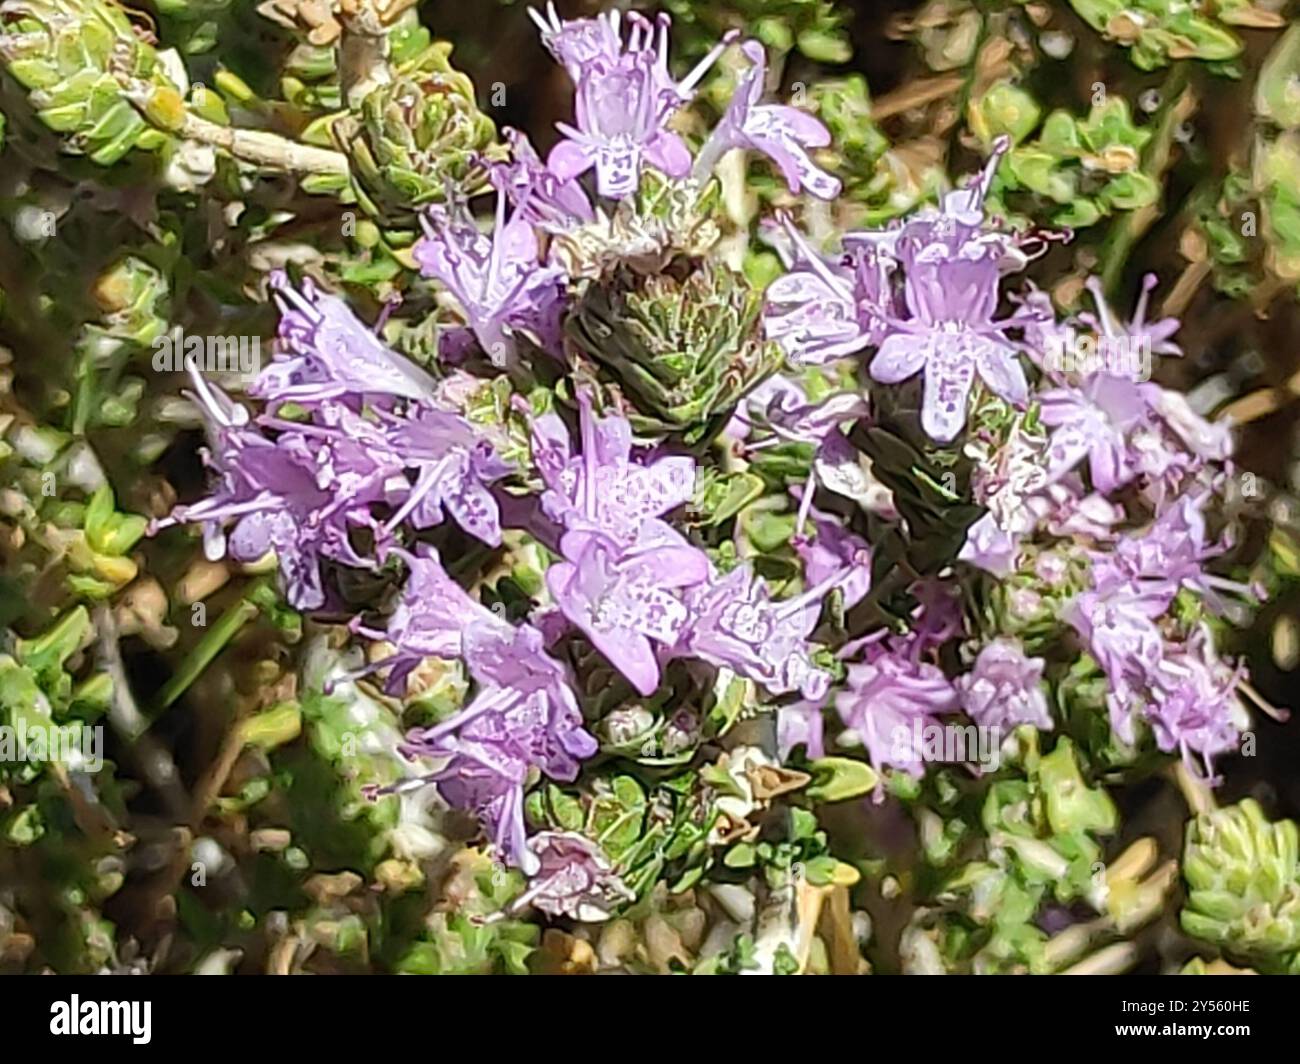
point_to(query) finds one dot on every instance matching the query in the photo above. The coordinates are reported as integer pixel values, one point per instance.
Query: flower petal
(900, 356)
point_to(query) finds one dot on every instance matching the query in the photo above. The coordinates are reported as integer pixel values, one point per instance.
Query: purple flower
(624, 96)
(333, 355)
(502, 288)
(889, 701)
(990, 547)
(783, 134)
(782, 406)
(1004, 688)
(831, 550)
(814, 311)
(952, 272)
(282, 497)
(1193, 706)
(1139, 335)
(604, 490)
(573, 878)
(1064, 510)
(1210, 441)
(538, 196)
(526, 700)
(432, 618)
(620, 115)
(1118, 626)
(734, 624)
(487, 781)
(1093, 422)
(577, 42)
(624, 601)
(455, 466)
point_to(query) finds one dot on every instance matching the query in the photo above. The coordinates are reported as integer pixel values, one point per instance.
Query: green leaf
(837, 779)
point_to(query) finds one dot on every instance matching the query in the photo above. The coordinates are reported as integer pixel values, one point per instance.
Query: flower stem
(228, 625)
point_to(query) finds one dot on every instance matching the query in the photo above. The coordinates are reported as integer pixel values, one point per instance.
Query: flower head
(330, 354)
(886, 697)
(573, 878)
(625, 601)
(1004, 688)
(502, 288)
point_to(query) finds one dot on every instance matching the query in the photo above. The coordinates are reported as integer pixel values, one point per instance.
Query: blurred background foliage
(160, 157)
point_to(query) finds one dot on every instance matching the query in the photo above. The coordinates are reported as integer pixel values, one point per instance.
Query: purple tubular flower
(734, 624)
(1153, 337)
(226, 424)
(431, 619)
(624, 97)
(813, 312)
(1094, 422)
(333, 354)
(1119, 627)
(604, 490)
(1210, 441)
(990, 547)
(831, 550)
(538, 196)
(952, 272)
(502, 288)
(487, 781)
(620, 117)
(781, 405)
(573, 878)
(283, 496)
(1004, 688)
(577, 42)
(1194, 707)
(784, 134)
(526, 700)
(1064, 510)
(455, 466)
(626, 599)
(886, 698)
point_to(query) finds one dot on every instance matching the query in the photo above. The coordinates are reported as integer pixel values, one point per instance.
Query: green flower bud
(683, 349)
(1243, 875)
(413, 138)
(85, 69)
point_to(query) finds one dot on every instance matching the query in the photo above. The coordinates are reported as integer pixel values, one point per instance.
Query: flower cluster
(788, 546)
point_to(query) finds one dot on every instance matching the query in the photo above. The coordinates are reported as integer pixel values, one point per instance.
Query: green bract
(683, 345)
(414, 138)
(90, 76)
(1243, 878)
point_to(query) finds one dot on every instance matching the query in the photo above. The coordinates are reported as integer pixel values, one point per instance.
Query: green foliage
(1243, 874)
